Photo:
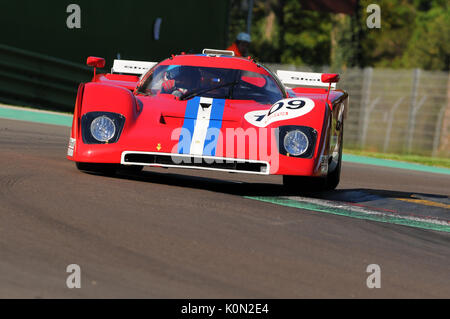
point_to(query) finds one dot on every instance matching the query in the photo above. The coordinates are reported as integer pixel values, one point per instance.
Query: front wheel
(319, 184)
(98, 168)
(304, 183)
(131, 168)
(334, 176)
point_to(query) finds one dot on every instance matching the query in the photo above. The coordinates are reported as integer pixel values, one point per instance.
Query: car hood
(172, 111)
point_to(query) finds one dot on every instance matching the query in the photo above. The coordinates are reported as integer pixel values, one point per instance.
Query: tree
(413, 34)
(284, 33)
(429, 45)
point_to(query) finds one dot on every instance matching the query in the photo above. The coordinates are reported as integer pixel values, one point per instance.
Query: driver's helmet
(171, 72)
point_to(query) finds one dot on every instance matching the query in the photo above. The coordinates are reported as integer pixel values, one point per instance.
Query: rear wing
(215, 52)
(294, 79)
(132, 67)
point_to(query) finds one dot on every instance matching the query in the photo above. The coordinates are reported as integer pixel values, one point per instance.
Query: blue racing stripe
(215, 124)
(187, 131)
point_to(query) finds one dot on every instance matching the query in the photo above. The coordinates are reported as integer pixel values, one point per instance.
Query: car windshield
(189, 81)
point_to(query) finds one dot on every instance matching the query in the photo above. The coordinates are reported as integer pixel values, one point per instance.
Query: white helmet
(244, 37)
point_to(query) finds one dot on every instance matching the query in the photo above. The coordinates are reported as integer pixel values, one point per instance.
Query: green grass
(35, 108)
(424, 160)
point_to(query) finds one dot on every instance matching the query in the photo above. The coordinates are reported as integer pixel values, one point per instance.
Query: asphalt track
(199, 234)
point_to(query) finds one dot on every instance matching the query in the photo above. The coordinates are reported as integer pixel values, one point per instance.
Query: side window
(259, 87)
(152, 84)
(156, 80)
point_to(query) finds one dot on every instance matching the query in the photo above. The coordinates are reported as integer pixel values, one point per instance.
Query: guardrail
(394, 111)
(29, 78)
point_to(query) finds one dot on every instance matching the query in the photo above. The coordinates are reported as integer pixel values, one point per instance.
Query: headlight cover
(101, 127)
(296, 142)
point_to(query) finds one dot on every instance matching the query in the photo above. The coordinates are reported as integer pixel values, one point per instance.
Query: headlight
(103, 128)
(296, 142)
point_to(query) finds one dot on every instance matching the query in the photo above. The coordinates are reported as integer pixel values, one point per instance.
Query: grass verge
(424, 160)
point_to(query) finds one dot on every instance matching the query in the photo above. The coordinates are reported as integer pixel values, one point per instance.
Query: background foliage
(413, 34)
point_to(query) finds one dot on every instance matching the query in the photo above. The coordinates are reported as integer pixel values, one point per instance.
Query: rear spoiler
(132, 67)
(215, 52)
(294, 79)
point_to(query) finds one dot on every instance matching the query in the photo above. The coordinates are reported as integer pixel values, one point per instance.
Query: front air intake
(194, 161)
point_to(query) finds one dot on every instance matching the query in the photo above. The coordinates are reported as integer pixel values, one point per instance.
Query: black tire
(131, 168)
(334, 177)
(98, 168)
(317, 184)
(304, 183)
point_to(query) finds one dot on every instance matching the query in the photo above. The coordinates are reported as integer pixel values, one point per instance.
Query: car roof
(204, 60)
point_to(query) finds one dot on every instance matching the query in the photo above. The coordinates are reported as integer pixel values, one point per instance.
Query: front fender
(99, 97)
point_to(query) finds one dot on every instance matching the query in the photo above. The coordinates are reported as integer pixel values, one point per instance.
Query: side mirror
(330, 77)
(95, 62)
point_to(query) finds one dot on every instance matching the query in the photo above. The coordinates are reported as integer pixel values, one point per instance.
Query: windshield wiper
(196, 93)
(144, 93)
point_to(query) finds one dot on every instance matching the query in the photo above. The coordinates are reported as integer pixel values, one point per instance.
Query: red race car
(211, 111)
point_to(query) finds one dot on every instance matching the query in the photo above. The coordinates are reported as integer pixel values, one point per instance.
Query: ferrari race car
(211, 111)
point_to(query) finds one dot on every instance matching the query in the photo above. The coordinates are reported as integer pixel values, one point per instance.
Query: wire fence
(394, 111)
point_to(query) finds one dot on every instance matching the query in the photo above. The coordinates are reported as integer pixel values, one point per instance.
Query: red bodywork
(153, 123)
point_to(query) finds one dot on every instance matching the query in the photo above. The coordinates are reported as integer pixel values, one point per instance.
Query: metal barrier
(395, 111)
(28, 78)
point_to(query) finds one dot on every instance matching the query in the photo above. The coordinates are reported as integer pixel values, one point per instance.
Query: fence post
(444, 136)
(412, 109)
(391, 115)
(438, 131)
(367, 120)
(364, 106)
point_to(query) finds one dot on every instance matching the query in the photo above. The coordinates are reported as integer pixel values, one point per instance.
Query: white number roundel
(282, 110)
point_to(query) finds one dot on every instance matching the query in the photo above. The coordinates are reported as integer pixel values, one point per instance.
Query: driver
(186, 80)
